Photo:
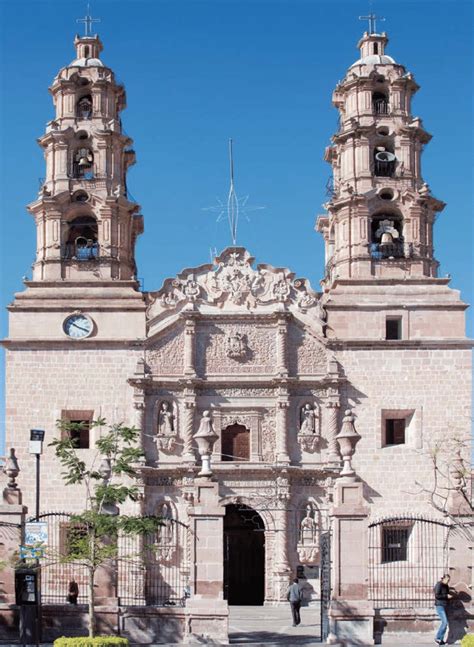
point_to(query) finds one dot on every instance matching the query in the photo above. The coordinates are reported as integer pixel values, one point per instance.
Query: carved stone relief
(232, 282)
(308, 539)
(256, 344)
(166, 416)
(307, 355)
(309, 426)
(166, 543)
(269, 437)
(167, 357)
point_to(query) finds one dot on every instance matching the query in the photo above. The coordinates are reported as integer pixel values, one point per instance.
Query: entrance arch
(244, 556)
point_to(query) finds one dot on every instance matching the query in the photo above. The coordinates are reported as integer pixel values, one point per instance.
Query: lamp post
(36, 448)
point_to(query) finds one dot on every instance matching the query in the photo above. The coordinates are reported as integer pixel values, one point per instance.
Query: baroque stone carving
(308, 540)
(306, 354)
(166, 536)
(309, 428)
(269, 437)
(236, 346)
(233, 281)
(166, 426)
(167, 357)
(238, 392)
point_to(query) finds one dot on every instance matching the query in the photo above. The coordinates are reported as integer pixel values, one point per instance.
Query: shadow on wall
(458, 616)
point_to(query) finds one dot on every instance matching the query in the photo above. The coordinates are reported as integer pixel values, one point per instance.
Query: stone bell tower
(86, 222)
(378, 230)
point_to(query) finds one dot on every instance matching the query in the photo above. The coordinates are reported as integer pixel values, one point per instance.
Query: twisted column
(188, 428)
(332, 431)
(282, 329)
(189, 337)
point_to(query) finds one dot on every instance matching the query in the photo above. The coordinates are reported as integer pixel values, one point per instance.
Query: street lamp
(36, 448)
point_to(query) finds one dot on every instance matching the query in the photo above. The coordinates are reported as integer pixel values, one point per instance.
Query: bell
(83, 162)
(387, 238)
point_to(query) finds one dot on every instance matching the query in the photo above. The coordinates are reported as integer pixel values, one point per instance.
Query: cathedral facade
(283, 374)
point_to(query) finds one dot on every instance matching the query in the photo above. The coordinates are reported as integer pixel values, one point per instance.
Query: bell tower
(84, 287)
(381, 212)
(378, 230)
(86, 222)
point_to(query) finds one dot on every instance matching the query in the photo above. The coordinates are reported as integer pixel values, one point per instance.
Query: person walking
(442, 595)
(294, 598)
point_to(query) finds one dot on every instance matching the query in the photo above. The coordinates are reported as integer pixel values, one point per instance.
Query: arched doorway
(244, 556)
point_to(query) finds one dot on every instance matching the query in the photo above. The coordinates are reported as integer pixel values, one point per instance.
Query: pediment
(233, 285)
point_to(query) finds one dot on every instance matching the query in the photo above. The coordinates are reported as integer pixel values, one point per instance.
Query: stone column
(189, 407)
(332, 409)
(351, 615)
(281, 358)
(282, 561)
(206, 610)
(189, 340)
(281, 427)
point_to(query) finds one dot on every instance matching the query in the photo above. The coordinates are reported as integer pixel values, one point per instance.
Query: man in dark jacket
(442, 595)
(294, 598)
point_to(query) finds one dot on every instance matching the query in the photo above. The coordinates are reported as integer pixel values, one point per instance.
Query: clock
(78, 326)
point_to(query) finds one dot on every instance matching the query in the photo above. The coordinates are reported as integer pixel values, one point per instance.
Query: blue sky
(260, 71)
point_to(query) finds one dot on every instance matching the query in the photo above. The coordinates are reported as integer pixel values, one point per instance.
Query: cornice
(404, 344)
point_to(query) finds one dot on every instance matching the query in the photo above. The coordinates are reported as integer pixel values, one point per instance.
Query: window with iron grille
(395, 544)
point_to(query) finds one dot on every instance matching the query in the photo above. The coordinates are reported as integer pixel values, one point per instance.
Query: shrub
(98, 641)
(468, 641)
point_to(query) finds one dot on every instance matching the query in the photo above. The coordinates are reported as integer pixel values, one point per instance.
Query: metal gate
(407, 556)
(325, 548)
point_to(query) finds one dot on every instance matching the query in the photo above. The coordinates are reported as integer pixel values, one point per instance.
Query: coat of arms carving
(236, 346)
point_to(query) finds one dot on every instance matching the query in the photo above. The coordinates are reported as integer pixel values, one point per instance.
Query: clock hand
(80, 327)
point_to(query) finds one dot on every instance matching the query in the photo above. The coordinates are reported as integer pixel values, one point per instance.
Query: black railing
(384, 168)
(381, 107)
(78, 252)
(380, 251)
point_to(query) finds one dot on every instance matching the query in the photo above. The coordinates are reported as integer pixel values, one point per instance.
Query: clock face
(78, 326)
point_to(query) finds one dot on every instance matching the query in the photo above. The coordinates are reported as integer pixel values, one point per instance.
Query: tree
(94, 533)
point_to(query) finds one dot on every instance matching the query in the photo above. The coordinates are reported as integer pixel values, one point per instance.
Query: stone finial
(347, 439)
(205, 438)
(12, 469)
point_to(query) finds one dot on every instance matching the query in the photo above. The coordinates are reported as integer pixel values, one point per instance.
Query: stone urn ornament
(11, 469)
(348, 439)
(205, 438)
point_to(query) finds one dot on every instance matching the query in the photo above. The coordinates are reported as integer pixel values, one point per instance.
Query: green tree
(108, 479)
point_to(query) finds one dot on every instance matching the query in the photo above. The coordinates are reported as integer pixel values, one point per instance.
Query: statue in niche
(165, 545)
(308, 433)
(308, 543)
(307, 420)
(167, 433)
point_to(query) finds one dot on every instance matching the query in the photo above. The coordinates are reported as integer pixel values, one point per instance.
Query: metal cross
(372, 18)
(88, 20)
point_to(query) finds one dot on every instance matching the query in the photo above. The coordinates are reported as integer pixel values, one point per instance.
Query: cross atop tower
(372, 18)
(88, 20)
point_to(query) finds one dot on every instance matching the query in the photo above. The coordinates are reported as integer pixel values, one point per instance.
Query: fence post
(206, 610)
(351, 615)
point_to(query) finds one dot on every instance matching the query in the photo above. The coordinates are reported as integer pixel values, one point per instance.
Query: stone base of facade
(402, 624)
(205, 622)
(351, 623)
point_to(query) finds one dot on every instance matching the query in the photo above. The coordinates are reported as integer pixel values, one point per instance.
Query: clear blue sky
(260, 71)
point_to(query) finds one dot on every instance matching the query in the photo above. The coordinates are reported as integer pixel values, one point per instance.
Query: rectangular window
(79, 426)
(395, 431)
(72, 539)
(394, 544)
(393, 328)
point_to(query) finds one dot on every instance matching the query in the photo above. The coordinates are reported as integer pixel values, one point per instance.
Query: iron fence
(154, 570)
(407, 556)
